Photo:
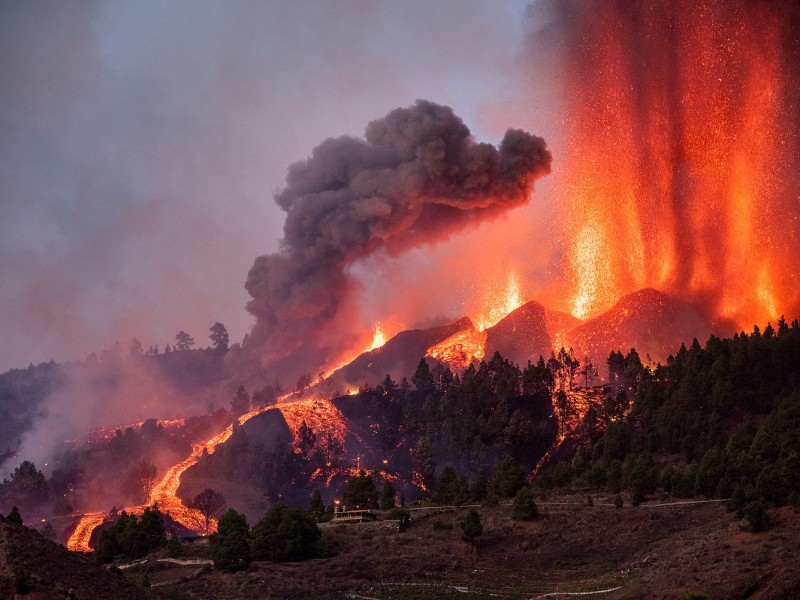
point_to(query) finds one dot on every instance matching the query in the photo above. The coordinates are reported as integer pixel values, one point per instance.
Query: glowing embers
(498, 302)
(570, 412)
(324, 420)
(98, 435)
(680, 174)
(588, 258)
(378, 336)
(460, 349)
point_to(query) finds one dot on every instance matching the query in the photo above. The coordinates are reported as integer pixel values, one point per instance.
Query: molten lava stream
(579, 401)
(164, 493)
(79, 540)
(321, 414)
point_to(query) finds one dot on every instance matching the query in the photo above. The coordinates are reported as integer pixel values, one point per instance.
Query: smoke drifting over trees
(416, 177)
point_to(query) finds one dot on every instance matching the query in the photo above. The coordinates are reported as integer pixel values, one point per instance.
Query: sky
(141, 144)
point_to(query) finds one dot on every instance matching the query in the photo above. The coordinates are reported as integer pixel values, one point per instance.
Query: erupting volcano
(682, 154)
(416, 178)
(677, 193)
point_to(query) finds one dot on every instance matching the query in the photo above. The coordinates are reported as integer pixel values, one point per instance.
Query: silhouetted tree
(183, 341)
(14, 516)
(135, 347)
(449, 488)
(230, 548)
(219, 336)
(422, 378)
(130, 537)
(424, 464)
(316, 506)
(524, 507)
(27, 486)
(303, 383)
(286, 534)
(210, 504)
(387, 496)
(360, 492)
(240, 404)
(508, 477)
(141, 479)
(471, 526)
(307, 439)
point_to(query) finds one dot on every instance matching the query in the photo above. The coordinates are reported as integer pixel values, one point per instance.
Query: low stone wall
(368, 525)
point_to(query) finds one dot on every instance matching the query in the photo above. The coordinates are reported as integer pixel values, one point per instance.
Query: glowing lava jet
(683, 154)
(469, 345)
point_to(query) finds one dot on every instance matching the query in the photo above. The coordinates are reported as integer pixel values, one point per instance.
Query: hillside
(649, 551)
(51, 570)
(68, 399)
(398, 357)
(716, 421)
(654, 323)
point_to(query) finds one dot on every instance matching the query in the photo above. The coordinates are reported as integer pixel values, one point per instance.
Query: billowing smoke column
(682, 162)
(415, 178)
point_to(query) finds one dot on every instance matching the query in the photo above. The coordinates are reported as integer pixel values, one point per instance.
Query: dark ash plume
(416, 178)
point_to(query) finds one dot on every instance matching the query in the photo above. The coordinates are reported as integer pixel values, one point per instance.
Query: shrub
(524, 508)
(471, 526)
(174, 548)
(22, 583)
(756, 514)
(230, 548)
(286, 534)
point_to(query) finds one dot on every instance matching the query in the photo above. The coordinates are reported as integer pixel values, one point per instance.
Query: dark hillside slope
(52, 570)
(521, 336)
(398, 357)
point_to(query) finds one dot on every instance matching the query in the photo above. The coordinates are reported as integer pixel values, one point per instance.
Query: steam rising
(416, 178)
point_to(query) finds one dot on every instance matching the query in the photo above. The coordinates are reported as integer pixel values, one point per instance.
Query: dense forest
(438, 418)
(720, 421)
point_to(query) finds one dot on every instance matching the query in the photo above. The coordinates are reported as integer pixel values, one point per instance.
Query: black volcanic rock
(398, 357)
(652, 322)
(521, 336)
(269, 428)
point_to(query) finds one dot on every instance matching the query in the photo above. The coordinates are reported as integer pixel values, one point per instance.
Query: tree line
(718, 421)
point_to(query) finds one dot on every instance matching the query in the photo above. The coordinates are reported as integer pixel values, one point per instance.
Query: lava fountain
(682, 154)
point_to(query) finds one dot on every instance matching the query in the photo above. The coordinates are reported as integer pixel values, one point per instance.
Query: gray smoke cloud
(415, 178)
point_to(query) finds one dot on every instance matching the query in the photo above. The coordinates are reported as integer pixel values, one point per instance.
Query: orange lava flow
(682, 154)
(79, 540)
(468, 346)
(578, 403)
(460, 349)
(164, 493)
(320, 415)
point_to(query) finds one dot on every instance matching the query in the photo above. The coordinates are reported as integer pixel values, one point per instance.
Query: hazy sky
(141, 144)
